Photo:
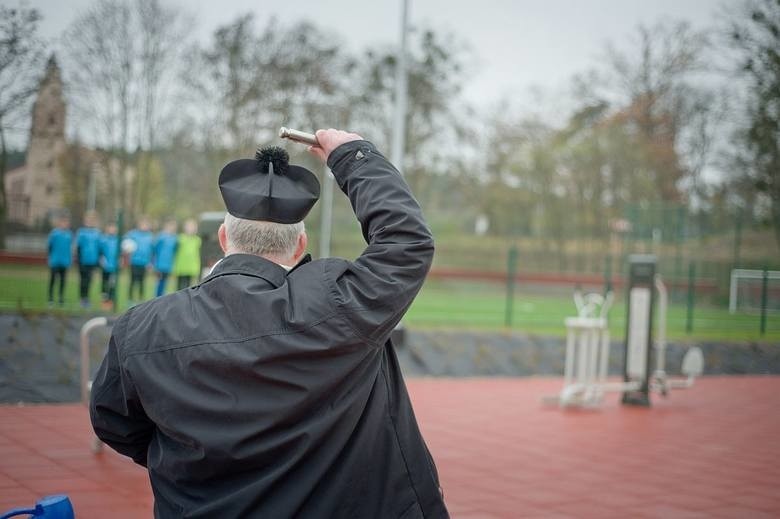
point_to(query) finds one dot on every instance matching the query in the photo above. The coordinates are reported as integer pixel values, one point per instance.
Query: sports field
(483, 306)
(441, 304)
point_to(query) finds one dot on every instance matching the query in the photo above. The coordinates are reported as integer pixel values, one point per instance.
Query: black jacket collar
(251, 265)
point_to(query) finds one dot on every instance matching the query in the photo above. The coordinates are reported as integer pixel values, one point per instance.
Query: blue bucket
(50, 507)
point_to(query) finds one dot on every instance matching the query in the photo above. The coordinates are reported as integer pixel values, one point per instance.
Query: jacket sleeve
(115, 410)
(379, 286)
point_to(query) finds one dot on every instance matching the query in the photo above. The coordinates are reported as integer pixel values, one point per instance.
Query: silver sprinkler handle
(297, 136)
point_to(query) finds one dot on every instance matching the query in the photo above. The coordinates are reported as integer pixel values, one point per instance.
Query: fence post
(691, 297)
(120, 230)
(511, 271)
(764, 290)
(608, 274)
(737, 238)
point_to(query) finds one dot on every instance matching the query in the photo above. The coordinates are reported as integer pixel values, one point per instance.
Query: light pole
(326, 220)
(399, 119)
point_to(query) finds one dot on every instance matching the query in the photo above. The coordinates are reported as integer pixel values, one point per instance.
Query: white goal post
(737, 274)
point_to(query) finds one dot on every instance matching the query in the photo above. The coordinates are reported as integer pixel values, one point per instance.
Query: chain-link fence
(695, 257)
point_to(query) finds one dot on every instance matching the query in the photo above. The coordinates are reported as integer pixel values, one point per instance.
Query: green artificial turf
(440, 304)
(482, 306)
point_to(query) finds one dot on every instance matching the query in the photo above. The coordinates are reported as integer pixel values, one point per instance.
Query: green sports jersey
(187, 262)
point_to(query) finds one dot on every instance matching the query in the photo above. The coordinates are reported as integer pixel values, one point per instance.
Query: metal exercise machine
(86, 382)
(587, 345)
(587, 352)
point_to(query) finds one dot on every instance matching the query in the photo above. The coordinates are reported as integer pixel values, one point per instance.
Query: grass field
(440, 304)
(483, 306)
(27, 288)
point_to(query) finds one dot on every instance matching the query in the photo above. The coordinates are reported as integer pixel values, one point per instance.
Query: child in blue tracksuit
(109, 262)
(59, 247)
(164, 254)
(141, 257)
(88, 253)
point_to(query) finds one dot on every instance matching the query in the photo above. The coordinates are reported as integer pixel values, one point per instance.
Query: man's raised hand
(329, 140)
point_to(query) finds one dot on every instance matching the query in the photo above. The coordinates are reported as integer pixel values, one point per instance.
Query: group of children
(166, 253)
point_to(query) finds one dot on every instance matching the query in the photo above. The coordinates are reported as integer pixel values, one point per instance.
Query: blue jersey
(88, 245)
(165, 252)
(144, 241)
(60, 241)
(108, 252)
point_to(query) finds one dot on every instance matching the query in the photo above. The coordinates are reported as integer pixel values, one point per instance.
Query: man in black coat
(272, 389)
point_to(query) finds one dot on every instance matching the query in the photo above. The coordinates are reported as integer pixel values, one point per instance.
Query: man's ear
(222, 235)
(300, 248)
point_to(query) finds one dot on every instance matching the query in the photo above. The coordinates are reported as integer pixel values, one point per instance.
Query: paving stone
(709, 451)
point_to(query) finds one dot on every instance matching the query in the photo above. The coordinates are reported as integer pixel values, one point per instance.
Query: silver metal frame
(86, 383)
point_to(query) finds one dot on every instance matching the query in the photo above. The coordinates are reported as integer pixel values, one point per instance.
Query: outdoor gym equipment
(587, 352)
(86, 382)
(643, 284)
(587, 344)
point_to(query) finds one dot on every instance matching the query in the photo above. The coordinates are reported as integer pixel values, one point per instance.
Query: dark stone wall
(39, 356)
(460, 354)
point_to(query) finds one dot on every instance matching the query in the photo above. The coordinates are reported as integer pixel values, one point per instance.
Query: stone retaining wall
(39, 356)
(458, 354)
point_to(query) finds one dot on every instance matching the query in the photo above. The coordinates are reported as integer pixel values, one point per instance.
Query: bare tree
(75, 168)
(226, 87)
(700, 139)
(656, 95)
(101, 68)
(754, 33)
(247, 81)
(435, 115)
(21, 63)
(162, 33)
(120, 63)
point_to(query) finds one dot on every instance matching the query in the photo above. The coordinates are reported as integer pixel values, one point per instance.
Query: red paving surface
(710, 451)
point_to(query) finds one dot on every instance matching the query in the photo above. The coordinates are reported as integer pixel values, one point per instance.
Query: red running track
(709, 451)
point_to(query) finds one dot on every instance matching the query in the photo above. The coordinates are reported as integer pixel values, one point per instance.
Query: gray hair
(262, 238)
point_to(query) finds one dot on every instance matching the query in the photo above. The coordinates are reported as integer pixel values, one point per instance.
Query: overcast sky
(516, 44)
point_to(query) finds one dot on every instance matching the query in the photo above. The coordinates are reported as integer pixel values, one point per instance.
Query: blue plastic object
(50, 507)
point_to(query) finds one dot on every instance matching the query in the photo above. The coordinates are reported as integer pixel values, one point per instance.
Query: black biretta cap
(268, 188)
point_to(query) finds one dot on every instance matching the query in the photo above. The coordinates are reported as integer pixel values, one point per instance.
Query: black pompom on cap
(272, 155)
(268, 188)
